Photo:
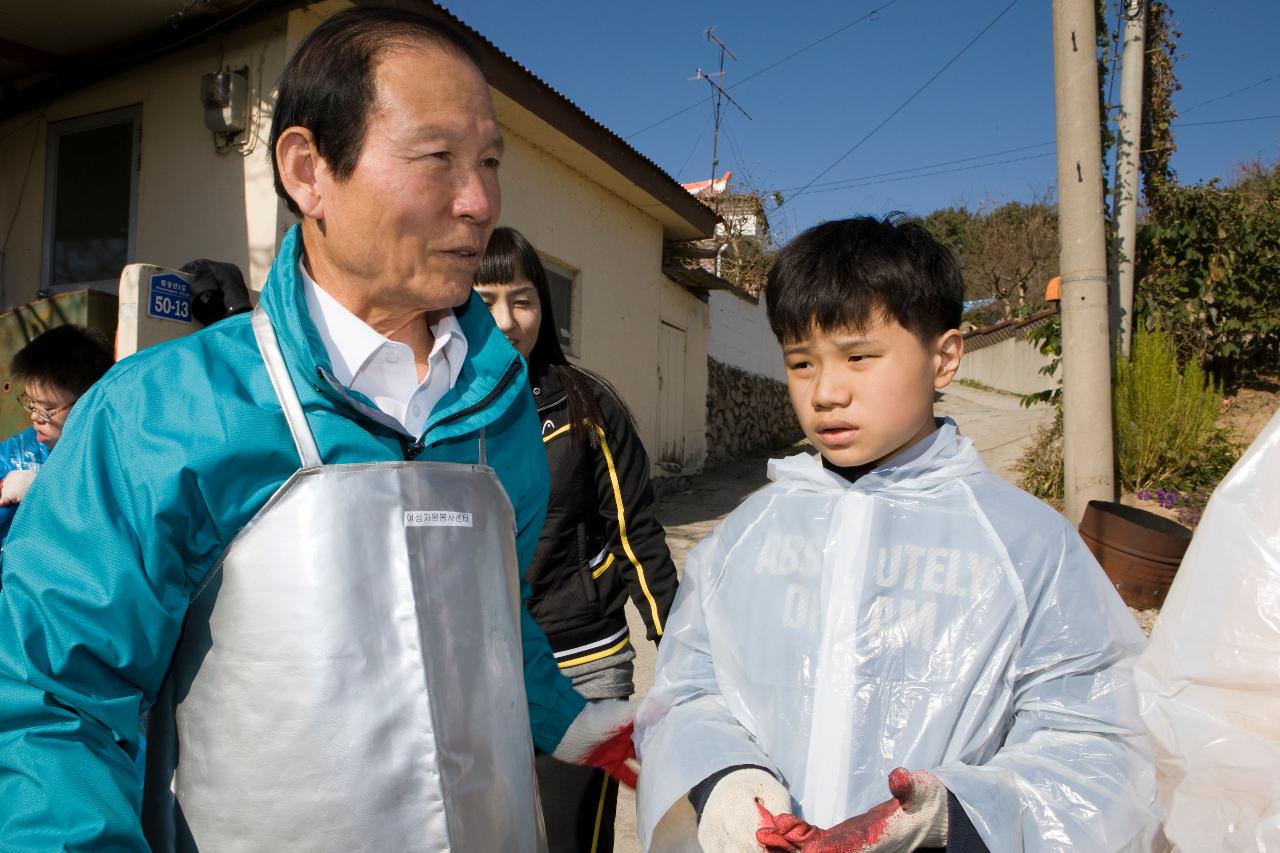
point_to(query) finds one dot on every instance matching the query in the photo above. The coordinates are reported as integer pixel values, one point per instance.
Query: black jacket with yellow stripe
(602, 541)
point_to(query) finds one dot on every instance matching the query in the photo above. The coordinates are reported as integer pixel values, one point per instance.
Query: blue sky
(629, 64)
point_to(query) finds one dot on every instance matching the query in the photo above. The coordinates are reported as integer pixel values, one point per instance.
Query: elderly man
(291, 536)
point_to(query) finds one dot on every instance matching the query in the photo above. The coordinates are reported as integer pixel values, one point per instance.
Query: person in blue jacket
(387, 146)
(55, 368)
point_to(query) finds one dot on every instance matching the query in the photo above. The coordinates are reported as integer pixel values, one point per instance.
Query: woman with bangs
(601, 543)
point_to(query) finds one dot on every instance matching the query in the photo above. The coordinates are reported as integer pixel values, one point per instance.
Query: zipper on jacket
(551, 405)
(411, 451)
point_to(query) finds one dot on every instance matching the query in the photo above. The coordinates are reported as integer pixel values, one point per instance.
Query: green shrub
(1164, 421)
(1211, 462)
(1210, 261)
(1047, 338)
(983, 315)
(1041, 463)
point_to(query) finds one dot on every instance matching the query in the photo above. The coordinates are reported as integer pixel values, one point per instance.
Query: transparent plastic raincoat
(929, 616)
(1209, 683)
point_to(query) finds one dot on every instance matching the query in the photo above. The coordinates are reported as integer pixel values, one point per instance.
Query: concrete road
(996, 423)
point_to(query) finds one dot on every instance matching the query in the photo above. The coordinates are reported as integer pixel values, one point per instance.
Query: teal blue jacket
(160, 464)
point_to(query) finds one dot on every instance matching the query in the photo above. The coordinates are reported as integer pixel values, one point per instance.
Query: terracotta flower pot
(1139, 550)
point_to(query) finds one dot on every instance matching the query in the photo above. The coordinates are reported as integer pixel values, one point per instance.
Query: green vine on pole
(1158, 112)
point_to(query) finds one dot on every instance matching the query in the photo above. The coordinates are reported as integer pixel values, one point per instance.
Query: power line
(907, 174)
(173, 21)
(678, 112)
(929, 166)
(1231, 94)
(689, 157)
(1014, 151)
(903, 174)
(742, 161)
(873, 15)
(35, 118)
(913, 96)
(866, 183)
(1223, 121)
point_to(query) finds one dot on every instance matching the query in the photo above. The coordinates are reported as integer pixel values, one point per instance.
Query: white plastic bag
(1209, 683)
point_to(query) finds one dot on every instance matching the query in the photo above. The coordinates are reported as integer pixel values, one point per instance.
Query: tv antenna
(715, 79)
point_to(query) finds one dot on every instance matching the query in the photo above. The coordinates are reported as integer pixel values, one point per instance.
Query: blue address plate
(170, 298)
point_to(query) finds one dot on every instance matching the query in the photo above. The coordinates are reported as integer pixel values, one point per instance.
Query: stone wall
(746, 414)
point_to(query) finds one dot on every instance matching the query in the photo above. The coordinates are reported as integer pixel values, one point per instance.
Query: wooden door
(671, 370)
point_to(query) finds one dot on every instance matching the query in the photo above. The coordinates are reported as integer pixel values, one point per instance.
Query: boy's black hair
(65, 358)
(328, 85)
(849, 273)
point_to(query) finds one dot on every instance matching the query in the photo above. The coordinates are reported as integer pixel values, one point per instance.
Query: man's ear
(300, 168)
(947, 351)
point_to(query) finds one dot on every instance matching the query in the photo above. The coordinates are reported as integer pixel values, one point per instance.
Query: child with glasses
(55, 368)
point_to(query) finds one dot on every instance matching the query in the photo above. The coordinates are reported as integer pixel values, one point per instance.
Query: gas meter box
(225, 95)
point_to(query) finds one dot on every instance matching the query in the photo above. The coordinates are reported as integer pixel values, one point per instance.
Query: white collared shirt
(384, 370)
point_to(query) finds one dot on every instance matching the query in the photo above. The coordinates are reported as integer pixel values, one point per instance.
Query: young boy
(55, 369)
(890, 614)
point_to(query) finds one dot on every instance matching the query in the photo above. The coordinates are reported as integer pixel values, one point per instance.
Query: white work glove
(915, 817)
(14, 487)
(732, 815)
(600, 737)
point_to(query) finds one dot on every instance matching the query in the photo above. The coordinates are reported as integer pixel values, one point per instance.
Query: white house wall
(192, 201)
(740, 336)
(620, 294)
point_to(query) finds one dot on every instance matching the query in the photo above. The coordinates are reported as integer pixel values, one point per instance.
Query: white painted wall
(1011, 365)
(621, 295)
(740, 336)
(192, 201)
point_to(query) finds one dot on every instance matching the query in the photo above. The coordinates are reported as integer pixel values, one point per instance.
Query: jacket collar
(548, 390)
(492, 364)
(947, 456)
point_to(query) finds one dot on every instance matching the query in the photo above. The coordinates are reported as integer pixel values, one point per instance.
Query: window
(560, 280)
(91, 199)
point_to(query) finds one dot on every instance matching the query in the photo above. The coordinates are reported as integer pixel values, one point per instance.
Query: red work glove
(601, 737)
(915, 817)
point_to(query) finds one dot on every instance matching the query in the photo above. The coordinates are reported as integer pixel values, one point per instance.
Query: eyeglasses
(41, 416)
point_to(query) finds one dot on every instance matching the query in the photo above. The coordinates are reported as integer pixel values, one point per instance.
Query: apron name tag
(436, 518)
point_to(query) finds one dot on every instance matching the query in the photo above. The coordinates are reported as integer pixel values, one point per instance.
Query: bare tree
(1014, 253)
(1008, 252)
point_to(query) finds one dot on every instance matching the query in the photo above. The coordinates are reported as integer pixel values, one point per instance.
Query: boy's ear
(947, 352)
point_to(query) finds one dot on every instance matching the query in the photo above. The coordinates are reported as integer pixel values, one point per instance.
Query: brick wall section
(746, 414)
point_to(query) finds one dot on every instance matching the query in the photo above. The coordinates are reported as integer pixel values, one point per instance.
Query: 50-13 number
(169, 307)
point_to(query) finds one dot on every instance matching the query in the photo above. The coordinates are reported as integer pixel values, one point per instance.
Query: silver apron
(349, 675)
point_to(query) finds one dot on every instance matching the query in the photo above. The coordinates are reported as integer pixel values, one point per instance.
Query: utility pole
(1086, 343)
(1128, 143)
(718, 96)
